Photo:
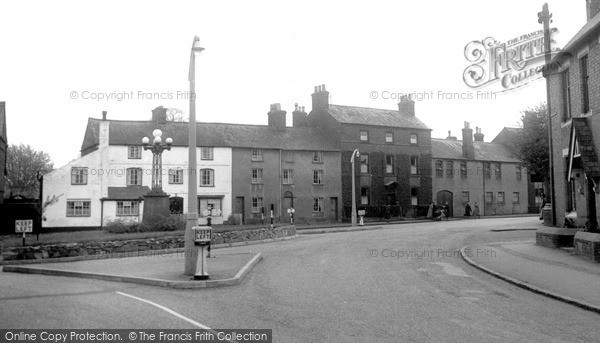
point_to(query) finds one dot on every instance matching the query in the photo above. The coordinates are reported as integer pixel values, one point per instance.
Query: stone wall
(587, 245)
(121, 248)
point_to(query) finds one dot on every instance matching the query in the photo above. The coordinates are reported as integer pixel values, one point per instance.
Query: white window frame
(176, 176)
(318, 176)
(80, 208)
(257, 204)
(134, 174)
(257, 176)
(257, 155)
(318, 205)
(207, 177)
(134, 152)
(79, 175)
(207, 153)
(288, 176)
(128, 208)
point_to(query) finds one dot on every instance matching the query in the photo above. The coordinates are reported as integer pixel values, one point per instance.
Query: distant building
(575, 120)
(393, 172)
(3, 150)
(471, 171)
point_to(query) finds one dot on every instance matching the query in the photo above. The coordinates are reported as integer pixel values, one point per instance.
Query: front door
(334, 208)
(288, 203)
(239, 207)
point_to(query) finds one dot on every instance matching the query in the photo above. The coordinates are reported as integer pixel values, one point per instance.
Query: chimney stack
(468, 149)
(299, 117)
(320, 98)
(103, 115)
(406, 105)
(277, 117)
(478, 135)
(159, 115)
(450, 137)
(592, 8)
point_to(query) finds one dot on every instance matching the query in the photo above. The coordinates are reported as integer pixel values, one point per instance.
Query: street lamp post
(156, 202)
(192, 215)
(157, 149)
(355, 154)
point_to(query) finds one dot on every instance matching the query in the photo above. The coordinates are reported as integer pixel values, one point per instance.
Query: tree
(532, 141)
(175, 114)
(24, 165)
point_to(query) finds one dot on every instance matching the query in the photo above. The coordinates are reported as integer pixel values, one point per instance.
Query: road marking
(451, 269)
(168, 310)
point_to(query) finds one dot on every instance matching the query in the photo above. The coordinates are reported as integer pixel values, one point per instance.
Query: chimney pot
(320, 98)
(103, 115)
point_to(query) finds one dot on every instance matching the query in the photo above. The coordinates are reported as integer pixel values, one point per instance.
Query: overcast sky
(257, 53)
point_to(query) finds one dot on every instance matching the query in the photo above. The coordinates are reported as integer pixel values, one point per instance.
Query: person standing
(446, 210)
(430, 211)
(468, 210)
(542, 206)
(476, 210)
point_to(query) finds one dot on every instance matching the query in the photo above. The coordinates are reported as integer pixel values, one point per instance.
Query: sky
(62, 62)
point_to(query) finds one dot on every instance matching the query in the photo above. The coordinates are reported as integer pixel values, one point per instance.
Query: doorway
(239, 208)
(288, 202)
(334, 208)
(444, 197)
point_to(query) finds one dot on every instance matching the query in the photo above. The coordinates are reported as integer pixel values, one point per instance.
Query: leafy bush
(121, 226)
(152, 224)
(162, 223)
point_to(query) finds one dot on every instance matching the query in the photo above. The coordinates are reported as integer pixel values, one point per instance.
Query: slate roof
(484, 151)
(127, 193)
(375, 116)
(213, 134)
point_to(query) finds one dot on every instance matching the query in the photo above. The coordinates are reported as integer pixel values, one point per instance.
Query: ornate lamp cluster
(157, 148)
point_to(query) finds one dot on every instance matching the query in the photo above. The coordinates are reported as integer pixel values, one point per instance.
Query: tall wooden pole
(544, 17)
(192, 213)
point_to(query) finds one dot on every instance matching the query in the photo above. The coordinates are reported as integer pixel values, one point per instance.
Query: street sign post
(24, 226)
(202, 239)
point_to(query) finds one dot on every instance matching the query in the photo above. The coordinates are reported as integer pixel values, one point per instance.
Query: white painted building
(109, 180)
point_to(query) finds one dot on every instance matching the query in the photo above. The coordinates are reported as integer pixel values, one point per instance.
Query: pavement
(156, 268)
(555, 273)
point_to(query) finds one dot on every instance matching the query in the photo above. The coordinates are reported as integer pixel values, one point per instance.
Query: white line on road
(193, 322)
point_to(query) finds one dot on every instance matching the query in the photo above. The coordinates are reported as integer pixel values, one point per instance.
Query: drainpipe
(280, 187)
(483, 178)
(101, 213)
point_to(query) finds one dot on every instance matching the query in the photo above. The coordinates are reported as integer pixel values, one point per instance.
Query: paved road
(404, 283)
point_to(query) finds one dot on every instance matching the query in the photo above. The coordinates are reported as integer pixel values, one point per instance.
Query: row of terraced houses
(244, 171)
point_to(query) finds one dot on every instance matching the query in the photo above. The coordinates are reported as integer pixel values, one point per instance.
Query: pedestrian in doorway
(476, 210)
(468, 210)
(430, 211)
(446, 210)
(542, 206)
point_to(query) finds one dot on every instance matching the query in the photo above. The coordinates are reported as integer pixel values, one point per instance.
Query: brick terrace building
(473, 171)
(281, 167)
(394, 168)
(574, 93)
